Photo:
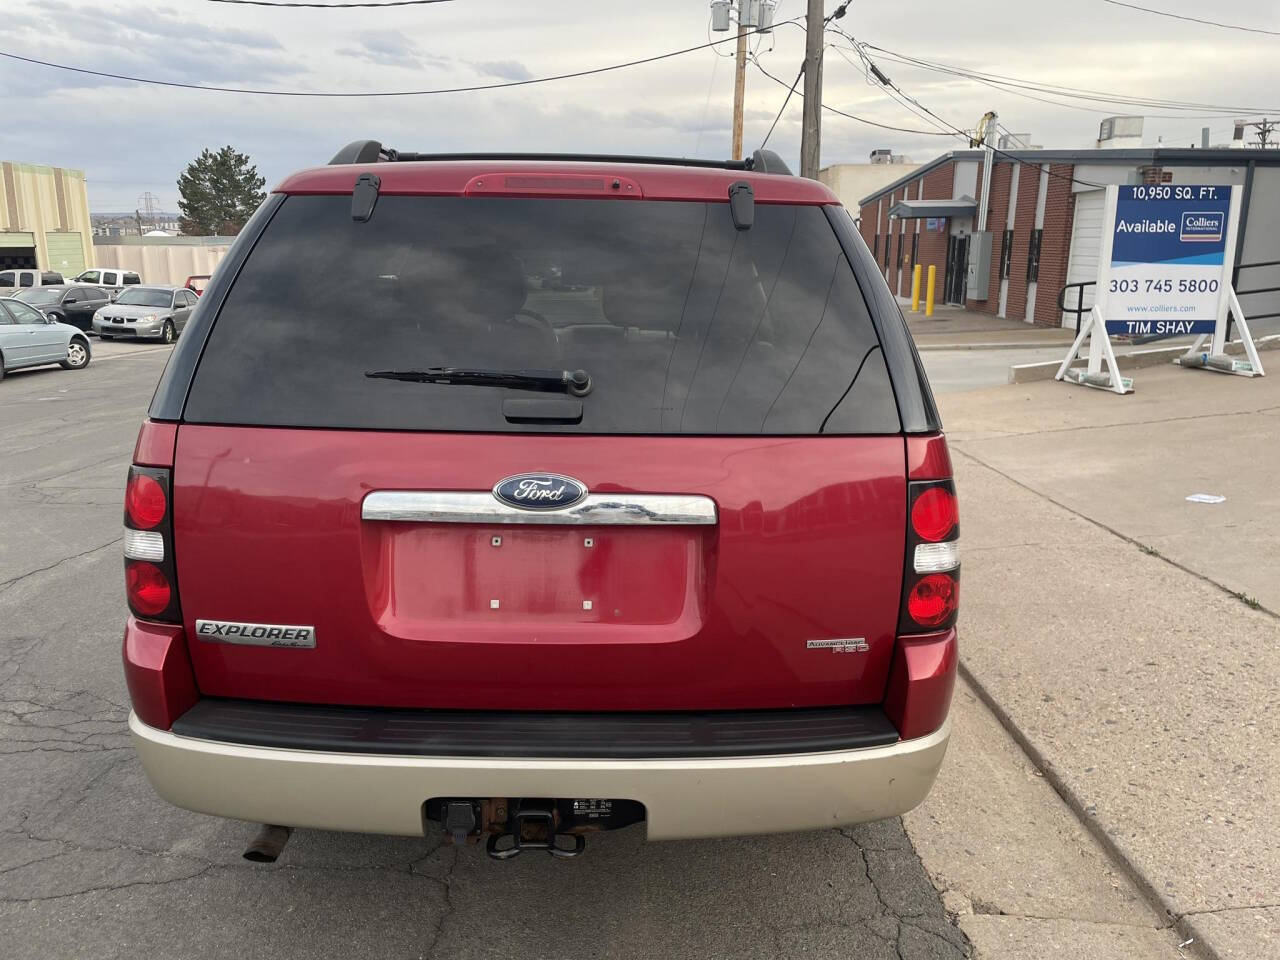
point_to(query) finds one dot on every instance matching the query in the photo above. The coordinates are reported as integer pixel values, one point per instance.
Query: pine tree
(219, 192)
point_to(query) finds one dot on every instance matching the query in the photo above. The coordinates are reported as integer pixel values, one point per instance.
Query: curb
(1030, 372)
(1183, 924)
(1003, 345)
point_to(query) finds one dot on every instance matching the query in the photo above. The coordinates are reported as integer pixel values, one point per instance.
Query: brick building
(1044, 219)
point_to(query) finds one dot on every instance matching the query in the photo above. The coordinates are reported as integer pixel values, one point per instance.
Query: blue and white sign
(1169, 265)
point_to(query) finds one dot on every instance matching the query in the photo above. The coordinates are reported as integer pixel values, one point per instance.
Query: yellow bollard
(915, 289)
(928, 296)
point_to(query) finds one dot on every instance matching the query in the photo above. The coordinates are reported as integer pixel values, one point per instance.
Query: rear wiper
(576, 382)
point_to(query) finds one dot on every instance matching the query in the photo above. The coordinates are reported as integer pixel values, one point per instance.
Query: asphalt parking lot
(93, 864)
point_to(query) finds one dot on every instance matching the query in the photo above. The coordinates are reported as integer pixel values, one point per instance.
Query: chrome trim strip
(144, 545)
(597, 509)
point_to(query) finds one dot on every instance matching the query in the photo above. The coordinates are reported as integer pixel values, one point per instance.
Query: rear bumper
(683, 798)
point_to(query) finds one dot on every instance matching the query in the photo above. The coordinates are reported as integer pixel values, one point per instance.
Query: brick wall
(933, 243)
(890, 239)
(1055, 245)
(1024, 221)
(867, 223)
(997, 212)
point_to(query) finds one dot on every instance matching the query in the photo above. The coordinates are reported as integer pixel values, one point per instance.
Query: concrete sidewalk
(1128, 638)
(955, 328)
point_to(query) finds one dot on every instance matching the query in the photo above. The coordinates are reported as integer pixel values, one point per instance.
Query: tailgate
(803, 542)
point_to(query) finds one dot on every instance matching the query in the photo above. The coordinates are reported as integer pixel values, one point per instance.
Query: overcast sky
(129, 138)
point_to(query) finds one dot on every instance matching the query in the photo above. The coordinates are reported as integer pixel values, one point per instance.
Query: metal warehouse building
(44, 218)
(1044, 224)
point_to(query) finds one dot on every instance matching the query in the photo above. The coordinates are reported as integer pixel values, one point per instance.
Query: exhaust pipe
(268, 844)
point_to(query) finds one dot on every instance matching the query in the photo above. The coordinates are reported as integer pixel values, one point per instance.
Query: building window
(915, 248)
(1033, 257)
(875, 247)
(900, 241)
(1006, 254)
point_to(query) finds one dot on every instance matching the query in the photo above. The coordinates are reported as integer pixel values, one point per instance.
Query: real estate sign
(1170, 258)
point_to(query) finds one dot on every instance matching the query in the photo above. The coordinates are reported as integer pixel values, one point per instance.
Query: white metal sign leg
(1100, 350)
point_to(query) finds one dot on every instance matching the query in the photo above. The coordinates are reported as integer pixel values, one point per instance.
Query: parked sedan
(66, 303)
(153, 312)
(29, 339)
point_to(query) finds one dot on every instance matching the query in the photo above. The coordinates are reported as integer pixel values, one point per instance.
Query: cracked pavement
(93, 864)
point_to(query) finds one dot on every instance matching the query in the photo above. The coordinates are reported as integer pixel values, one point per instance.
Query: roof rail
(371, 151)
(362, 151)
(766, 161)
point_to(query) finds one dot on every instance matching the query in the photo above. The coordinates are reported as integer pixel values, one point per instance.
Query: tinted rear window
(685, 324)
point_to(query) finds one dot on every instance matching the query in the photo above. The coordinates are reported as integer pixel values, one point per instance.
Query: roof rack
(371, 151)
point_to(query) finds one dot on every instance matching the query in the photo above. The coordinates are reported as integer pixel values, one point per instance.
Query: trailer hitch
(533, 827)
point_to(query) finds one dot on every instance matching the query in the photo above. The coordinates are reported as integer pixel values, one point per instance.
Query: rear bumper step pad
(451, 733)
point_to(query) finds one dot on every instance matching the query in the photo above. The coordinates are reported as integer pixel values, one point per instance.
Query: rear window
(143, 297)
(684, 324)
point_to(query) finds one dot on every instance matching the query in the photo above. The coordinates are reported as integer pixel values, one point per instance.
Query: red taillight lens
(933, 599)
(930, 582)
(934, 514)
(146, 587)
(151, 583)
(144, 502)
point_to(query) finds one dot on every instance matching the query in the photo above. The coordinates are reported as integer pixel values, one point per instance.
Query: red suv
(522, 497)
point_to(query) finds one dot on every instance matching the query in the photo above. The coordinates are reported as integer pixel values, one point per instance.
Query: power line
(1013, 90)
(786, 100)
(956, 131)
(332, 6)
(850, 116)
(1078, 93)
(865, 66)
(381, 93)
(1179, 16)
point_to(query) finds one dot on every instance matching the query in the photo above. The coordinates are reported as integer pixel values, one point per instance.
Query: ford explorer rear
(520, 498)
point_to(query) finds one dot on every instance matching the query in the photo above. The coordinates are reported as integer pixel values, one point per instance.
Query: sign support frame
(1094, 327)
(1216, 358)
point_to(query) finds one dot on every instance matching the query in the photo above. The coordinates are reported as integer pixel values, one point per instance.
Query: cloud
(679, 106)
(503, 69)
(391, 49)
(150, 42)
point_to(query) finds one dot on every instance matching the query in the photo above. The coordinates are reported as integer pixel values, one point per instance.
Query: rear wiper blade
(576, 382)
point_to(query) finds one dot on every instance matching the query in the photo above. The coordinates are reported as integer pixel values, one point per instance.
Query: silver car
(29, 339)
(153, 312)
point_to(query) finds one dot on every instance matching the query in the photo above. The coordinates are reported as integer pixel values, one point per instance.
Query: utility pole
(1265, 127)
(739, 89)
(811, 127)
(753, 16)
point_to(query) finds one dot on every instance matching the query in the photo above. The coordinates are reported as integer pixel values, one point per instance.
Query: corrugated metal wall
(47, 202)
(160, 263)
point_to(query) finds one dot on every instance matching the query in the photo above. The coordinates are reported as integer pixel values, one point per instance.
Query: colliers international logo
(1202, 226)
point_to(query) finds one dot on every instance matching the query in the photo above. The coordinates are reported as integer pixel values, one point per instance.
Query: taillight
(145, 503)
(149, 578)
(934, 513)
(147, 588)
(932, 601)
(931, 580)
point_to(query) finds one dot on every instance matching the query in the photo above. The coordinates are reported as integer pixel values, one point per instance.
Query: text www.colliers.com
(1161, 308)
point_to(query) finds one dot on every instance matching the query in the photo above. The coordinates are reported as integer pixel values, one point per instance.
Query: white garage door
(1086, 239)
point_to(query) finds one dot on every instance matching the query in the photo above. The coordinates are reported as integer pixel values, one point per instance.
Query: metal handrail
(1256, 290)
(1080, 309)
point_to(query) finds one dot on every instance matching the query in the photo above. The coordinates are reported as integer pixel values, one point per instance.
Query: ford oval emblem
(540, 491)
